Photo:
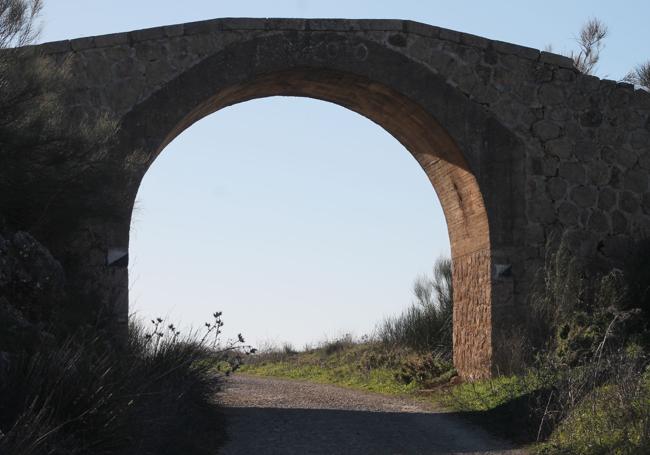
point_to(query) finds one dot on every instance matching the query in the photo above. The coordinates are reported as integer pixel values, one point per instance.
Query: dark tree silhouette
(18, 22)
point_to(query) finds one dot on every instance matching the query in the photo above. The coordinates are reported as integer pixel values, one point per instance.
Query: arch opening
(299, 219)
(437, 153)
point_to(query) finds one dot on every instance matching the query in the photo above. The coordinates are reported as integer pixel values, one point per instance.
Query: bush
(426, 370)
(82, 396)
(427, 325)
(338, 344)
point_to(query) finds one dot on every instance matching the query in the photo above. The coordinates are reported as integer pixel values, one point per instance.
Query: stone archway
(151, 125)
(516, 143)
(443, 163)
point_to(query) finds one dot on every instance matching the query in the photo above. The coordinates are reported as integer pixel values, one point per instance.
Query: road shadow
(327, 431)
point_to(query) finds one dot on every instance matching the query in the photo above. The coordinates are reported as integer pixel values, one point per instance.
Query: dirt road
(277, 416)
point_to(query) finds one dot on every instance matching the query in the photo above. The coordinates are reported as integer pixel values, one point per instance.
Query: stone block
(567, 214)
(606, 198)
(419, 28)
(599, 173)
(546, 130)
(562, 147)
(628, 202)
(148, 34)
(81, 44)
(584, 196)
(55, 47)
(621, 156)
(474, 41)
(521, 51)
(114, 39)
(214, 25)
(449, 35)
(565, 75)
(619, 222)
(636, 180)
(572, 172)
(287, 24)
(587, 82)
(598, 221)
(640, 139)
(551, 94)
(645, 203)
(591, 118)
(556, 59)
(381, 25)
(542, 211)
(549, 166)
(173, 31)
(535, 234)
(336, 25)
(556, 188)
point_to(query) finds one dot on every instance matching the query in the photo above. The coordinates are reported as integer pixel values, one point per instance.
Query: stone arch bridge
(516, 143)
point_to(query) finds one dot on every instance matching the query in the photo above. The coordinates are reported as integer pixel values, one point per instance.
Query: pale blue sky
(298, 219)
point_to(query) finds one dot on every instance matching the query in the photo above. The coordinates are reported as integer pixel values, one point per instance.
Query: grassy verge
(362, 366)
(550, 411)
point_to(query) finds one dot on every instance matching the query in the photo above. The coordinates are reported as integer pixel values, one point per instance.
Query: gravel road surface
(279, 416)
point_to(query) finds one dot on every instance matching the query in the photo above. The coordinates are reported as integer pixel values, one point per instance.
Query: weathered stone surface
(606, 198)
(598, 173)
(619, 222)
(546, 130)
(628, 202)
(636, 180)
(515, 142)
(31, 280)
(598, 221)
(550, 94)
(562, 148)
(568, 214)
(584, 196)
(572, 171)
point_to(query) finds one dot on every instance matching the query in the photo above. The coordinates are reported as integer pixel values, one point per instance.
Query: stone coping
(334, 25)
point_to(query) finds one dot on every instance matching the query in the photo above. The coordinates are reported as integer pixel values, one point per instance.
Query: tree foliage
(426, 325)
(590, 42)
(39, 137)
(18, 22)
(640, 75)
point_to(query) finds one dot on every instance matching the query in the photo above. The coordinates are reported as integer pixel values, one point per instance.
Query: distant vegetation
(407, 352)
(426, 326)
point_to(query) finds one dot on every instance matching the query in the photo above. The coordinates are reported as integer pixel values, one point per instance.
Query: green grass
(355, 366)
(490, 393)
(607, 421)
